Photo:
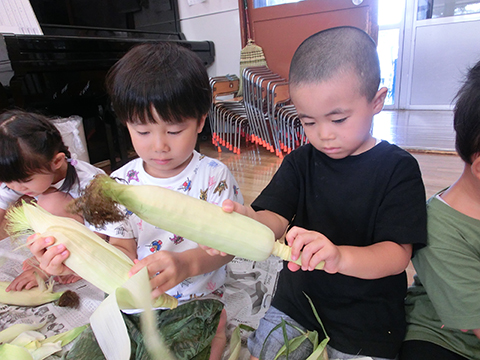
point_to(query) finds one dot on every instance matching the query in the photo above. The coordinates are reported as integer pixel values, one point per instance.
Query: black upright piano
(62, 73)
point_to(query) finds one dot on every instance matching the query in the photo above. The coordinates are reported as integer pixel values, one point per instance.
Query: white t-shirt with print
(204, 178)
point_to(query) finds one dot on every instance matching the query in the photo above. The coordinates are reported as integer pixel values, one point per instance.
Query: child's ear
(201, 123)
(379, 100)
(475, 167)
(58, 161)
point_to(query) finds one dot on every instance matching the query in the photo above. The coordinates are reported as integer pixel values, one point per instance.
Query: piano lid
(42, 53)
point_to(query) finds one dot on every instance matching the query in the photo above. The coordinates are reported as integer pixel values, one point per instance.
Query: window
(431, 9)
(263, 3)
(390, 21)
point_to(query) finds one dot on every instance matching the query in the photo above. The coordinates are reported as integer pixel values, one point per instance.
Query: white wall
(217, 21)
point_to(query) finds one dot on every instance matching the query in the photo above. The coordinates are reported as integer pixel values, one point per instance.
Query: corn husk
(107, 268)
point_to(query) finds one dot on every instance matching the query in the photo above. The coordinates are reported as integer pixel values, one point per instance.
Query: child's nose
(326, 133)
(160, 144)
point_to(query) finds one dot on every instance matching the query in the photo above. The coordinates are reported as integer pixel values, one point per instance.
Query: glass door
(391, 22)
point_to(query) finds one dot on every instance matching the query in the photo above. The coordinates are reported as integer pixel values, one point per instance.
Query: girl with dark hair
(35, 162)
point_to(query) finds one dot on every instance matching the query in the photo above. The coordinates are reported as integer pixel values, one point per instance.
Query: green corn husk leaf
(107, 321)
(236, 341)
(319, 350)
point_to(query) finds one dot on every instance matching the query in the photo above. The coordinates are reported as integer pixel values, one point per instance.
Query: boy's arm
(168, 269)
(387, 257)
(368, 262)
(127, 245)
(278, 224)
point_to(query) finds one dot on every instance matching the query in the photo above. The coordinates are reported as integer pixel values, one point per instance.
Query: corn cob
(92, 258)
(183, 215)
(32, 297)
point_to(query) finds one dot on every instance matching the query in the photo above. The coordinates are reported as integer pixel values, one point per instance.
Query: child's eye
(143, 132)
(339, 121)
(307, 122)
(174, 132)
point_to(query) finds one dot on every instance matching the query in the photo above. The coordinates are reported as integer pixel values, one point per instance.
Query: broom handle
(247, 21)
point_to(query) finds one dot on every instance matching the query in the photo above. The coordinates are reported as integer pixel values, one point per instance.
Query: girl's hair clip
(73, 160)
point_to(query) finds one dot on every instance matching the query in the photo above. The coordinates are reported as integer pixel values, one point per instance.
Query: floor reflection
(416, 130)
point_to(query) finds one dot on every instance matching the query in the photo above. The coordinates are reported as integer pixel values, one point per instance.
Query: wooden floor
(416, 130)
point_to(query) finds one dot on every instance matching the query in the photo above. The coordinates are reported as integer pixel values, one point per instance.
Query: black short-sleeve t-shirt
(359, 200)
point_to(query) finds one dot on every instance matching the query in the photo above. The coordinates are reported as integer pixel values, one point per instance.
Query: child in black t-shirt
(346, 198)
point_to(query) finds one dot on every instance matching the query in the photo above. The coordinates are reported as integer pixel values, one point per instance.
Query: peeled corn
(197, 220)
(38, 295)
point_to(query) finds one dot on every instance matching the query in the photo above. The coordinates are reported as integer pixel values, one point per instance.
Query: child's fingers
(310, 245)
(293, 267)
(52, 261)
(25, 280)
(228, 206)
(212, 252)
(30, 284)
(38, 244)
(138, 265)
(30, 263)
(296, 239)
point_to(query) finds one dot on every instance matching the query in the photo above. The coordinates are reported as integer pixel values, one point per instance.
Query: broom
(251, 54)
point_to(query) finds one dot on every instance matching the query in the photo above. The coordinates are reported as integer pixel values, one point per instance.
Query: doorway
(425, 48)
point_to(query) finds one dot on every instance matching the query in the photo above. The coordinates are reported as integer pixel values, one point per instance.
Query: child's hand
(165, 269)
(50, 259)
(30, 263)
(67, 279)
(314, 248)
(212, 252)
(26, 280)
(230, 206)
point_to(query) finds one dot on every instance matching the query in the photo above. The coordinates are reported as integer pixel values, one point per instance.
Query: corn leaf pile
(22, 342)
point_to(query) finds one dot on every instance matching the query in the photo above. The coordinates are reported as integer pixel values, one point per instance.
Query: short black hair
(466, 120)
(336, 50)
(163, 76)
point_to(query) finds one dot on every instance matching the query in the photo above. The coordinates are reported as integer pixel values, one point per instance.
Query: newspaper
(249, 290)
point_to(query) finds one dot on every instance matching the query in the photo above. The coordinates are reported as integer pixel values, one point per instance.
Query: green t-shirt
(448, 270)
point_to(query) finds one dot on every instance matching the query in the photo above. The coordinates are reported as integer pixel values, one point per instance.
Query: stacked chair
(263, 115)
(228, 120)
